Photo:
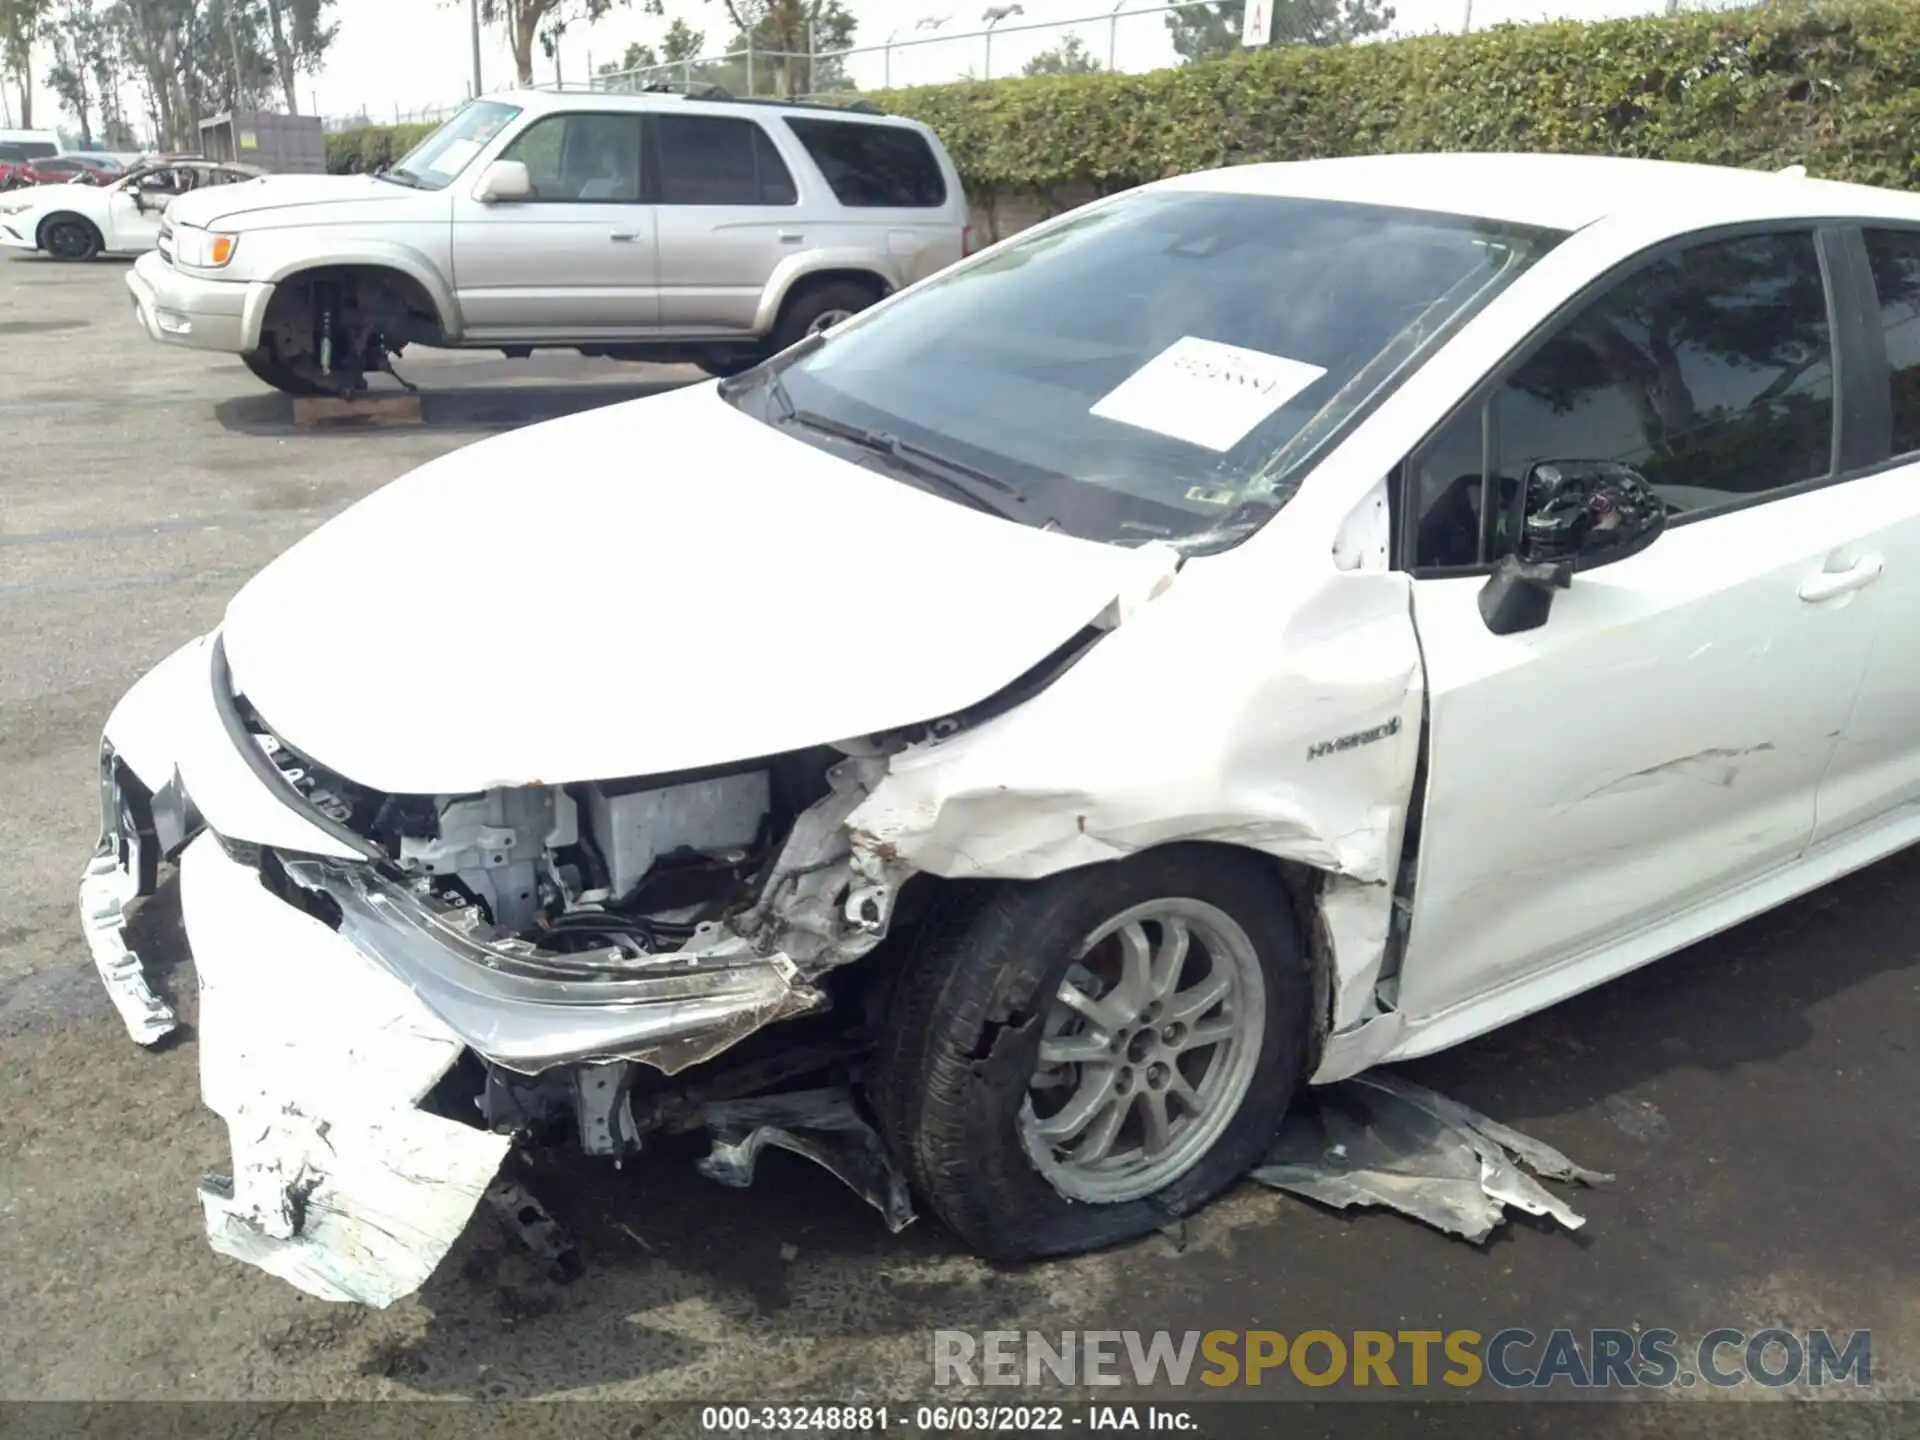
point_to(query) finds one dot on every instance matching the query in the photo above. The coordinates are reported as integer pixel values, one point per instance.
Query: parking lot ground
(1755, 1095)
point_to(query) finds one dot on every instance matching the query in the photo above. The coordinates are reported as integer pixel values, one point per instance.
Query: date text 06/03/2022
(943, 1419)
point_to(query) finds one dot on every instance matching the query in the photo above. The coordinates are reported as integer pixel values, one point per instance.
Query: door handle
(1827, 584)
(790, 237)
(624, 237)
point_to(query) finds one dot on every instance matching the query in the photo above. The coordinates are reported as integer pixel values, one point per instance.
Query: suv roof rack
(702, 90)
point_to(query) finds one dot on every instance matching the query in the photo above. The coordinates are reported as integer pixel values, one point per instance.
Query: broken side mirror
(503, 180)
(1579, 513)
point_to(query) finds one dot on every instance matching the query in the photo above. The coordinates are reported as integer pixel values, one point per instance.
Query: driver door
(134, 212)
(1661, 738)
(577, 258)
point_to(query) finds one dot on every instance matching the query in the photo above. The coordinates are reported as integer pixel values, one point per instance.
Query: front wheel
(68, 237)
(1084, 1058)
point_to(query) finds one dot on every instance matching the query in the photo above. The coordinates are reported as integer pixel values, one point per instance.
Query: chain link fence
(425, 115)
(1126, 36)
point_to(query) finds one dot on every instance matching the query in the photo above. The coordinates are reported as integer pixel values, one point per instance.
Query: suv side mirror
(1579, 513)
(503, 180)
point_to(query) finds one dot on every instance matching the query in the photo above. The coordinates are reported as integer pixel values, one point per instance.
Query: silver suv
(655, 227)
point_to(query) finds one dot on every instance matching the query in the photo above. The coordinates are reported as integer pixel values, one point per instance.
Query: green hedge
(1832, 84)
(353, 152)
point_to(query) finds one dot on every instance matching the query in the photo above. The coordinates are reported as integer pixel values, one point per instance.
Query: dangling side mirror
(1579, 513)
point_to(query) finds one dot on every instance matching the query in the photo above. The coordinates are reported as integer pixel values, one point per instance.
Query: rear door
(729, 213)
(889, 183)
(1662, 737)
(578, 258)
(1875, 779)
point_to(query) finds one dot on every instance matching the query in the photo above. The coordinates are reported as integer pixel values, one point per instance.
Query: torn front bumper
(317, 1060)
(334, 996)
(176, 308)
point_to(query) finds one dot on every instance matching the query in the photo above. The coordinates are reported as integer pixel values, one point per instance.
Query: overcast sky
(409, 54)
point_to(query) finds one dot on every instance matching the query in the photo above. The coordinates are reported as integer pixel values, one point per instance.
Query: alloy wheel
(1148, 1048)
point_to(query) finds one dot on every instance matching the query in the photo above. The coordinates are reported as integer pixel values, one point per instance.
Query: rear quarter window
(873, 166)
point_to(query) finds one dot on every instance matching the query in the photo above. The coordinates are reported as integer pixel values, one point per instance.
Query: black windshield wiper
(975, 487)
(768, 374)
(402, 177)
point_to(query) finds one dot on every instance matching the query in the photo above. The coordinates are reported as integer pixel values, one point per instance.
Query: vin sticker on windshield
(1205, 393)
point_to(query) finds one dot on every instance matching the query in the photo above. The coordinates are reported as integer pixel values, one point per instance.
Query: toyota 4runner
(653, 226)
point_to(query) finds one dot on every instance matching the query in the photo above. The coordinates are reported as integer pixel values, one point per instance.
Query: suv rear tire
(818, 307)
(814, 308)
(961, 1083)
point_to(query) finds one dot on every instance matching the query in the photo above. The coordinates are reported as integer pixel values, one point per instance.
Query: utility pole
(473, 14)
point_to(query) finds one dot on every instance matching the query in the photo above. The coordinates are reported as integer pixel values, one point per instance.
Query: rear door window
(873, 166)
(1895, 258)
(718, 160)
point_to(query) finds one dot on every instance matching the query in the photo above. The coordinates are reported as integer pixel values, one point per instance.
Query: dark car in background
(70, 170)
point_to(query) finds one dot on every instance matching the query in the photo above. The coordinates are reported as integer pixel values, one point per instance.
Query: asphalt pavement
(1755, 1096)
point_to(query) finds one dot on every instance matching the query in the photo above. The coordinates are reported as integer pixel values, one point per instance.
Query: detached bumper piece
(318, 1059)
(1378, 1139)
(136, 831)
(106, 889)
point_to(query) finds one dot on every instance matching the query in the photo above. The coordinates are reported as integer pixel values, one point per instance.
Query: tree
(1201, 32)
(71, 77)
(22, 25)
(1069, 57)
(681, 43)
(794, 41)
(232, 58)
(301, 34)
(158, 40)
(526, 20)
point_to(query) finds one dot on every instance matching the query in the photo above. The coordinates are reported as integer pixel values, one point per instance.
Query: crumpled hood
(644, 588)
(215, 204)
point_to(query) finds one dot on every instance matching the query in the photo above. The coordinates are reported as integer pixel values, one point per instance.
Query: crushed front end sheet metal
(1378, 1139)
(824, 1126)
(528, 1010)
(318, 1061)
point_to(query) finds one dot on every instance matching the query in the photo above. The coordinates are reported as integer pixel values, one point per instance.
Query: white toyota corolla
(1250, 628)
(122, 217)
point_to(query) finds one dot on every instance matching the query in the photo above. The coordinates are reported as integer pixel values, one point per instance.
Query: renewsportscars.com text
(1512, 1359)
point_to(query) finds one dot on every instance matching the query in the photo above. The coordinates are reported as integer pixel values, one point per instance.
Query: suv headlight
(203, 249)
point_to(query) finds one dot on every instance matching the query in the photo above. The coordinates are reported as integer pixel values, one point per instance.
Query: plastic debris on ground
(1380, 1140)
(823, 1125)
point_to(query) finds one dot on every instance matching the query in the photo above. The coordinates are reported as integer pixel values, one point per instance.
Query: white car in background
(78, 222)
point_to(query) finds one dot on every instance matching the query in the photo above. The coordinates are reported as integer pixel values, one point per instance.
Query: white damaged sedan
(121, 217)
(1247, 629)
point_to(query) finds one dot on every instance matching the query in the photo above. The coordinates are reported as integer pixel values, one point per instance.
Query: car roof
(1560, 192)
(539, 101)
